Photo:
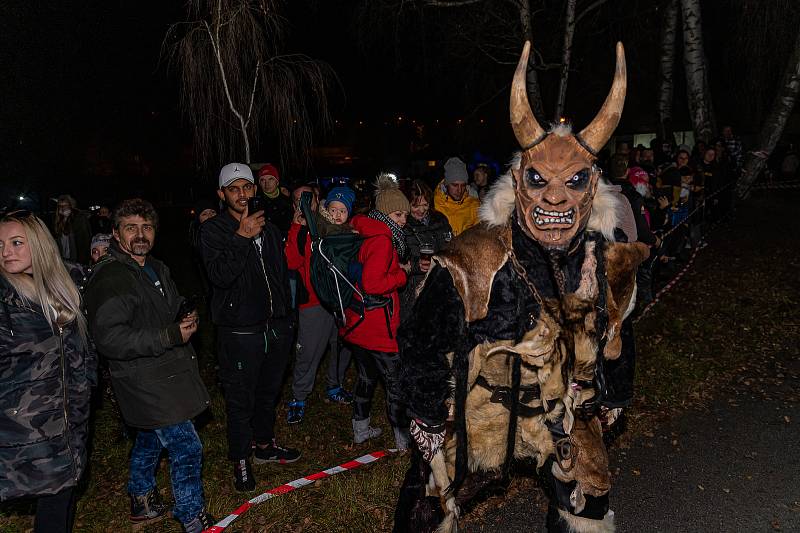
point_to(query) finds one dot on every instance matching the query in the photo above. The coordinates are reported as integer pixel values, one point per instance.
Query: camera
(254, 204)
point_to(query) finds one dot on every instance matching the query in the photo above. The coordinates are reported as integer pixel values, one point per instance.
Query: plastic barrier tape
(297, 484)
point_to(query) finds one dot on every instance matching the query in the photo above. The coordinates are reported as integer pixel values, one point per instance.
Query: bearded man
(533, 300)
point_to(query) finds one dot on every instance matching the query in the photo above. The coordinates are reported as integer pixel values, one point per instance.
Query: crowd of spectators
(252, 246)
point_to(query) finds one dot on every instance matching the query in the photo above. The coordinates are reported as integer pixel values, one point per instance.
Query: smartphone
(188, 306)
(254, 204)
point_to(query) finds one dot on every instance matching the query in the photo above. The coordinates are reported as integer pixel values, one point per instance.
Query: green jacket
(154, 374)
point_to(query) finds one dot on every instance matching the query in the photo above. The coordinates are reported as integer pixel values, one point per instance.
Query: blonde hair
(50, 285)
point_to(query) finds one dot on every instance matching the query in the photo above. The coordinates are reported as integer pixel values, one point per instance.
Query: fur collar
(497, 207)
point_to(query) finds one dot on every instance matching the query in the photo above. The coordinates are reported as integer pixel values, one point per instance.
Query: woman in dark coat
(47, 368)
(427, 232)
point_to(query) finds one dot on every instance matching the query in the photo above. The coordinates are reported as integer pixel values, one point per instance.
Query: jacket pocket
(31, 414)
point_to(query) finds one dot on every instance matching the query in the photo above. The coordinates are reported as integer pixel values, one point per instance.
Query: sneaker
(275, 454)
(200, 523)
(243, 479)
(147, 507)
(339, 395)
(297, 409)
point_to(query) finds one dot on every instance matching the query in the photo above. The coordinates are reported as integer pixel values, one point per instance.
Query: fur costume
(514, 338)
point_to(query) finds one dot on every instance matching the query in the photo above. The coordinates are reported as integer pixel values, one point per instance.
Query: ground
(710, 435)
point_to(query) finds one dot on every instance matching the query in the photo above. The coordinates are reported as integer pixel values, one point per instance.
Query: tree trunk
(773, 126)
(532, 77)
(694, 60)
(566, 53)
(667, 62)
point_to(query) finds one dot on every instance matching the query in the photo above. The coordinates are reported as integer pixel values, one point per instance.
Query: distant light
(432, 163)
(360, 122)
(562, 120)
(399, 118)
(460, 121)
(21, 198)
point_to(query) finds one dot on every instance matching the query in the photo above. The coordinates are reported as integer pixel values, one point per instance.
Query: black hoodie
(249, 287)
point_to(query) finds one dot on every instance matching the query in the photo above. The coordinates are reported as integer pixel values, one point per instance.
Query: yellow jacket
(461, 215)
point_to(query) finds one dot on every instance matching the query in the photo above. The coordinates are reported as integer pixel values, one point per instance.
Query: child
(317, 328)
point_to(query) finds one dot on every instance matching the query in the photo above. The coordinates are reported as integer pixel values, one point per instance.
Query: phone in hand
(188, 306)
(255, 204)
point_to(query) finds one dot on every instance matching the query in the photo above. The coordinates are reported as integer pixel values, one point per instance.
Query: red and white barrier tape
(296, 484)
(669, 285)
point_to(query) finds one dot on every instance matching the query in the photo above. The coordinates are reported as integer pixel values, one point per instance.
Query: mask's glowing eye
(580, 179)
(534, 178)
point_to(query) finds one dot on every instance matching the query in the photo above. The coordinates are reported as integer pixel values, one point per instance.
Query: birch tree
(669, 26)
(235, 80)
(773, 126)
(566, 54)
(696, 76)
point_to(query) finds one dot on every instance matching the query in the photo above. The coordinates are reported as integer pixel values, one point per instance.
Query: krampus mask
(557, 179)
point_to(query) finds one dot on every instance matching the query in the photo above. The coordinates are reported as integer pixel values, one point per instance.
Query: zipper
(64, 391)
(264, 271)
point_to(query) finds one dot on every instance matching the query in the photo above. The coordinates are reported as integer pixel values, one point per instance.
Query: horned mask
(557, 179)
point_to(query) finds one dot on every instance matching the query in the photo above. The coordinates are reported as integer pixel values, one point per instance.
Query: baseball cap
(235, 171)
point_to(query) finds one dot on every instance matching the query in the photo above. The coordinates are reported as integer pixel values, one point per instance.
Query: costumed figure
(516, 347)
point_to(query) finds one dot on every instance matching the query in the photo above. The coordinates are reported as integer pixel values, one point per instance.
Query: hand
(298, 217)
(188, 326)
(250, 225)
(406, 266)
(663, 202)
(424, 264)
(429, 440)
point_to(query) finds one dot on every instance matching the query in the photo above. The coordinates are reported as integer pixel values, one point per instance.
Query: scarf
(398, 239)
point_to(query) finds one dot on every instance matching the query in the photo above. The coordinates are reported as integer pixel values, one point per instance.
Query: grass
(731, 310)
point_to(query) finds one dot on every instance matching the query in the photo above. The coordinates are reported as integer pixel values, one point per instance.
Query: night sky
(89, 108)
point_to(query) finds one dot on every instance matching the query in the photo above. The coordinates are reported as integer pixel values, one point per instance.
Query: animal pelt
(622, 260)
(569, 523)
(499, 204)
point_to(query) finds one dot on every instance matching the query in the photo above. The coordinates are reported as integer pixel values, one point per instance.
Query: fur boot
(559, 521)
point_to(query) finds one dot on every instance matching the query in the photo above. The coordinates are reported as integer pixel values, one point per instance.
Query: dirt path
(713, 445)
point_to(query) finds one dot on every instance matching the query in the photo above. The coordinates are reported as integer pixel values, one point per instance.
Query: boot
(200, 523)
(401, 438)
(147, 507)
(362, 431)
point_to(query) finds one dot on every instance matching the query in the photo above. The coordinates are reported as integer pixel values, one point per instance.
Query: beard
(140, 246)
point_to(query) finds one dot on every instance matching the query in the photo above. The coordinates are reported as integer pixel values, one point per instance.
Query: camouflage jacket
(45, 388)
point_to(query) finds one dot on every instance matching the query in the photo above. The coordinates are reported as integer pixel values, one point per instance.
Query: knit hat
(342, 194)
(388, 196)
(101, 239)
(269, 170)
(455, 171)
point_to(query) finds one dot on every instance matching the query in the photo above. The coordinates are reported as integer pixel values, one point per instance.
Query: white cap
(235, 171)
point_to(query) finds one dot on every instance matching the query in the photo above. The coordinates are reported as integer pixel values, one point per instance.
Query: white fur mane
(498, 206)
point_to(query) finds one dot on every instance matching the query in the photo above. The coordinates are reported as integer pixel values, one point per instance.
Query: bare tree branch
(588, 9)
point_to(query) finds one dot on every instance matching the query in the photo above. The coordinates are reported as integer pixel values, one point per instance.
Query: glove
(429, 439)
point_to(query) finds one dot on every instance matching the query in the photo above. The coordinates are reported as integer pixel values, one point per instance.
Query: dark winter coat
(153, 372)
(43, 423)
(249, 287)
(80, 238)
(436, 233)
(279, 211)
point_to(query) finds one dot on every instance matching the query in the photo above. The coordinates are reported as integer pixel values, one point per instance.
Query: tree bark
(694, 61)
(532, 77)
(566, 54)
(773, 126)
(667, 64)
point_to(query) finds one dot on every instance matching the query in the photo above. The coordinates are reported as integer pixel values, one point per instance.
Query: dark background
(88, 106)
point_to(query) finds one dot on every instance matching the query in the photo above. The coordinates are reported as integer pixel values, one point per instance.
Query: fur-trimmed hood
(498, 206)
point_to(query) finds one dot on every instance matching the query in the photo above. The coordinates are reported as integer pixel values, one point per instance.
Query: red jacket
(381, 274)
(301, 263)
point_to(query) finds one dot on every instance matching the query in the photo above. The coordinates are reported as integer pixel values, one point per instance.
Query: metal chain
(522, 274)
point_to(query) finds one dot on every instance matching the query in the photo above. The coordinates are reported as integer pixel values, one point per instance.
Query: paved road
(733, 466)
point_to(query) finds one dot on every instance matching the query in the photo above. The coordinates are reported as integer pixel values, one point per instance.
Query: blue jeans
(185, 463)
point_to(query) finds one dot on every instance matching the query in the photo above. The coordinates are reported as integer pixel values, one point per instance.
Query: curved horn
(596, 134)
(526, 128)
